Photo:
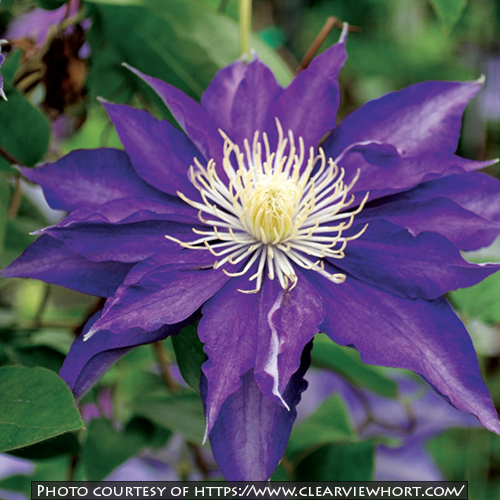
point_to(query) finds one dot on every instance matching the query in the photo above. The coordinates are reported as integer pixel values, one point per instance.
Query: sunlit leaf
(480, 301)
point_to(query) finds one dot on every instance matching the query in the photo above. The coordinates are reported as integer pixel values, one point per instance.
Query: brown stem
(330, 23)
(200, 460)
(9, 157)
(91, 311)
(371, 418)
(162, 361)
(15, 201)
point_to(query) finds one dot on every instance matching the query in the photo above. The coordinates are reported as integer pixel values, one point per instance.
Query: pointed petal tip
(131, 68)
(90, 334)
(7, 272)
(343, 35)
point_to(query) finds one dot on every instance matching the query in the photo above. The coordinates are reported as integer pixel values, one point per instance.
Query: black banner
(133, 490)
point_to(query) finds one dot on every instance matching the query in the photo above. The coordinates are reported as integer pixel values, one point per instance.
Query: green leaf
(328, 424)
(448, 11)
(180, 41)
(9, 67)
(4, 205)
(105, 448)
(480, 301)
(338, 462)
(190, 355)
(347, 362)
(24, 131)
(181, 413)
(35, 404)
(50, 4)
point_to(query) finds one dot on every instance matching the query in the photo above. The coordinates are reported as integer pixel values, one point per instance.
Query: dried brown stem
(200, 460)
(9, 157)
(330, 23)
(162, 361)
(15, 201)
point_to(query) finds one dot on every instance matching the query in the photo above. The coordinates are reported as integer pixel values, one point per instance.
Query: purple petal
(161, 154)
(384, 171)
(193, 258)
(121, 242)
(50, 260)
(419, 335)
(253, 98)
(424, 266)
(218, 97)
(267, 331)
(476, 191)
(164, 296)
(292, 319)
(309, 104)
(228, 328)
(133, 209)
(199, 126)
(88, 360)
(441, 215)
(89, 177)
(421, 118)
(251, 432)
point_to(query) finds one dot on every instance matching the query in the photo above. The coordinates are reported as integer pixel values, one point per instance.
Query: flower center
(269, 208)
(276, 212)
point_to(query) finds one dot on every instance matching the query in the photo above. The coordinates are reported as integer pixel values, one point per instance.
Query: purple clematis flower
(245, 220)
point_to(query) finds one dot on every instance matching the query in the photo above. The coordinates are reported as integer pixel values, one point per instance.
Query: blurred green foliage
(139, 407)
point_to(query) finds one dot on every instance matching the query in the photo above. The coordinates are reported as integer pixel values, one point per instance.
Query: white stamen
(274, 211)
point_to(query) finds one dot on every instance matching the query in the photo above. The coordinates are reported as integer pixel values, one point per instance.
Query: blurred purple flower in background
(37, 23)
(244, 219)
(489, 101)
(417, 415)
